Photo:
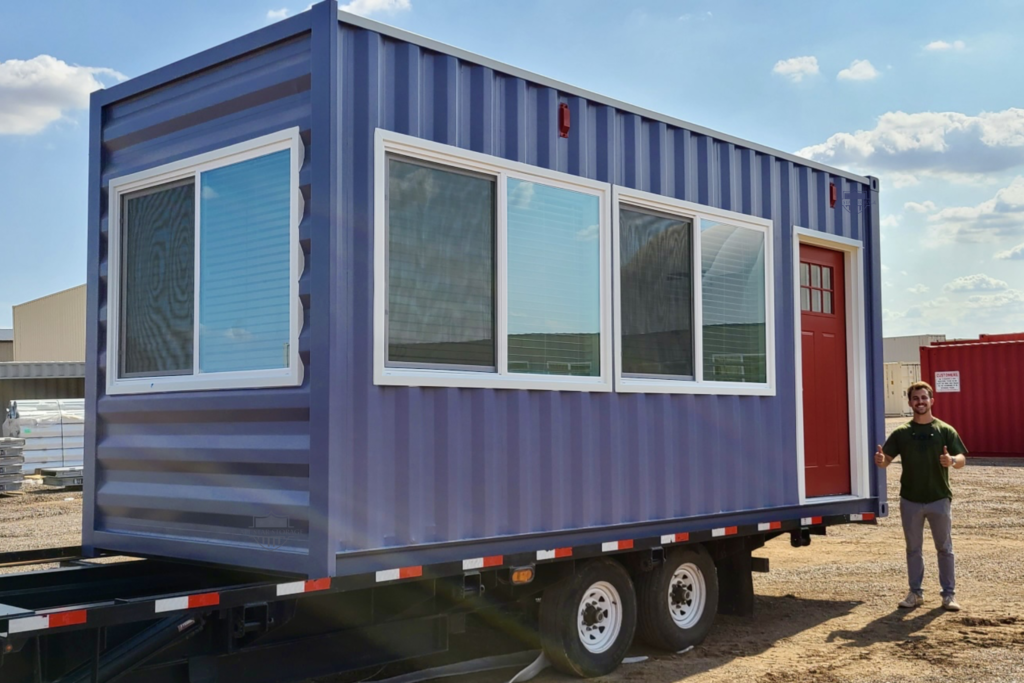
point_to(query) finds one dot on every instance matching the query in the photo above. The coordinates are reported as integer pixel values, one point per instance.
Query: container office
(386, 324)
(408, 302)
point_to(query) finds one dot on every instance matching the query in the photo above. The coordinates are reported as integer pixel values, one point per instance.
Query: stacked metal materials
(53, 431)
(11, 461)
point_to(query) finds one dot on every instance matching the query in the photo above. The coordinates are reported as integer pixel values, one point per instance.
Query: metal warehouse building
(415, 306)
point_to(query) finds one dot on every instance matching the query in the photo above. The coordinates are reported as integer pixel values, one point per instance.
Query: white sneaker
(913, 600)
(950, 603)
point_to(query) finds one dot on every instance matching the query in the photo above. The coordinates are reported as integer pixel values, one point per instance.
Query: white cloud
(941, 45)
(885, 268)
(976, 283)
(942, 144)
(697, 17)
(1013, 254)
(796, 68)
(890, 221)
(36, 92)
(277, 14)
(365, 7)
(588, 234)
(963, 317)
(999, 217)
(859, 70)
(923, 207)
(918, 289)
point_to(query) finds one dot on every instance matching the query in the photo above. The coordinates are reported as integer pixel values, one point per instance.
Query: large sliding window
(488, 273)
(204, 266)
(693, 302)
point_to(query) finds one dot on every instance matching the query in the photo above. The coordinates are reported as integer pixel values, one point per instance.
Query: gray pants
(940, 521)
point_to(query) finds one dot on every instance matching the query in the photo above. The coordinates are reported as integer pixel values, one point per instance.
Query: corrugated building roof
(40, 369)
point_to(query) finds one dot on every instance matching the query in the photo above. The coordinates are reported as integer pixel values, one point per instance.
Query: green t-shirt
(924, 479)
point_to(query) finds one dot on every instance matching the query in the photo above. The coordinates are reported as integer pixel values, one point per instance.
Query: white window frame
(387, 142)
(660, 204)
(185, 169)
(856, 363)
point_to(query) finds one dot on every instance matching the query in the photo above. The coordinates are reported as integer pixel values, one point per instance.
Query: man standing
(928, 448)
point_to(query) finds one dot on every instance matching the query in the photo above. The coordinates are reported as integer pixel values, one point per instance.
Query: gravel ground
(824, 614)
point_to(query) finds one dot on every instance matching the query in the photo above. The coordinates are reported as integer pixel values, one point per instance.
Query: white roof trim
(437, 46)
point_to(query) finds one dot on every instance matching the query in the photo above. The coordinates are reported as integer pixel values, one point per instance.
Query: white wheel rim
(599, 617)
(687, 595)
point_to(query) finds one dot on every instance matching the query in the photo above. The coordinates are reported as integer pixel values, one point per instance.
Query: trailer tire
(678, 600)
(587, 620)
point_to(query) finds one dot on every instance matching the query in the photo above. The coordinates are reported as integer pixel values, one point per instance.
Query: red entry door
(823, 341)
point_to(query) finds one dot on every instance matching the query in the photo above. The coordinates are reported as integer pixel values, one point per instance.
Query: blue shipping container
(284, 401)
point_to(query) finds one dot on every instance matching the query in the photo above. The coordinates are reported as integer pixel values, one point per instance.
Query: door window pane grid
(816, 293)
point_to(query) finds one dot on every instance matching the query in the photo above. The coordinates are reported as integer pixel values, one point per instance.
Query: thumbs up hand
(879, 457)
(946, 460)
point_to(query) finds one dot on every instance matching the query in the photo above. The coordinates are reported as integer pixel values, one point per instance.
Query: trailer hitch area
(254, 618)
(801, 538)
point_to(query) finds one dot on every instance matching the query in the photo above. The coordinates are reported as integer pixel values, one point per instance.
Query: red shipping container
(979, 389)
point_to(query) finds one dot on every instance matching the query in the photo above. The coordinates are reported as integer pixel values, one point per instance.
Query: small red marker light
(832, 193)
(563, 120)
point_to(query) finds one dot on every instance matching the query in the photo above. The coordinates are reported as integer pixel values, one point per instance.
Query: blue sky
(925, 95)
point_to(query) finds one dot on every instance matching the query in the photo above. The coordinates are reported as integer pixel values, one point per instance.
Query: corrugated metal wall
(423, 465)
(51, 328)
(191, 474)
(986, 410)
(7, 351)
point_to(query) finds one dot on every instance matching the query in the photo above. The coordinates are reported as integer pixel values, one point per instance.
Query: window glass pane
(657, 291)
(816, 276)
(816, 300)
(245, 253)
(826, 274)
(827, 301)
(733, 296)
(805, 274)
(157, 281)
(805, 299)
(554, 284)
(440, 266)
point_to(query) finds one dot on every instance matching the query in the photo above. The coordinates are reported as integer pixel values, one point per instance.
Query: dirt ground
(825, 614)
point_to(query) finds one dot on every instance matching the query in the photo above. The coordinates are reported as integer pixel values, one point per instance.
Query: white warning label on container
(947, 381)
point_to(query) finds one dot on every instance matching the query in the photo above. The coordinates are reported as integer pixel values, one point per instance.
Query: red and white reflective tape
(43, 621)
(724, 531)
(483, 562)
(555, 554)
(863, 517)
(299, 587)
(616, 545)
(396, 574)
(768, 526)
(675, 538)
(187, 602)
(806, 521)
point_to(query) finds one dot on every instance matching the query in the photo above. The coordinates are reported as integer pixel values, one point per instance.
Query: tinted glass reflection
(440, 266)
(157, 295)
(656, 286)
(554, 284)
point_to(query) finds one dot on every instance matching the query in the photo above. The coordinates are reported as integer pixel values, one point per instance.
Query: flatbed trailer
(155, 620)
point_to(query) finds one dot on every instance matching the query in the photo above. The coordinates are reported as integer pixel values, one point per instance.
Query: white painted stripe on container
(806, 520)
(718, 532)
(856, 518)
(545, 554)
(171, 604)
(764, 526)
(475, 563)
(28, 624)
(609, 547)
(668, 538)
(291, 588)
(389, 575)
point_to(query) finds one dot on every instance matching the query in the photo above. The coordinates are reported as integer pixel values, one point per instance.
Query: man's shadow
(898, 625)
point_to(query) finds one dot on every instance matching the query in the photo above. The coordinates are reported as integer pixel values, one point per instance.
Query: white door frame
(856, 361)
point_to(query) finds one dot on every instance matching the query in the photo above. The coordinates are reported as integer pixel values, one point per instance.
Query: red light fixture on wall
(832, 193)
(563, 120)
